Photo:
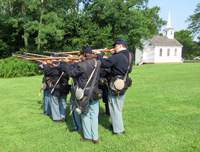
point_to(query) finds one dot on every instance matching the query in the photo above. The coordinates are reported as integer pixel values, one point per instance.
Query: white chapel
(160, 49)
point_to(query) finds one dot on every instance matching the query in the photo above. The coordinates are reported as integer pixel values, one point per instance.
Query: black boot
(107, 110)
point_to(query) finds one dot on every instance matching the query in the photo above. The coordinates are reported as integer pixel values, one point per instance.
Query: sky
(179, 10)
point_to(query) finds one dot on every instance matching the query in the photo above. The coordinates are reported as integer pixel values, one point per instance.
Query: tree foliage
(190, 47)
(66, 25)
(194, 21)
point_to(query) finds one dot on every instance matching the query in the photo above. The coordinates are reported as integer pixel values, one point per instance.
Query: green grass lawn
(161, 113)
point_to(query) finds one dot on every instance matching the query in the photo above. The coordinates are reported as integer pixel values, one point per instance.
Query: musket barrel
(49, 52)
(25, 57)
(105, 50)
(44, 56)
(21, 56)
(76, 52)
(62, 53)
(28, 57)
(55, 58)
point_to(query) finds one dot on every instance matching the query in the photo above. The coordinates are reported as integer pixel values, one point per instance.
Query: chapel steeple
(169, 31)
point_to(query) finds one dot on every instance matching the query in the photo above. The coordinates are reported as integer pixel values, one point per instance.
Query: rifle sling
(129, 62)
(93, 81)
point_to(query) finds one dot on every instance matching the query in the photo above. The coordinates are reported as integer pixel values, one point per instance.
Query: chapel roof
(158, 40)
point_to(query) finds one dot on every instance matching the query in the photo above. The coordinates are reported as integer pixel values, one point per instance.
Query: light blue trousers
(47, 108)
(75, 116)
(90, 121)
(58, 106)
(115, 108)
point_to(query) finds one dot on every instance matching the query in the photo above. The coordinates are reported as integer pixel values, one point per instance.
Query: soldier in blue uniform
(90, 108)
(104, 73)
(119, 63)
(75, 116)
(60, 89)
(47, 109)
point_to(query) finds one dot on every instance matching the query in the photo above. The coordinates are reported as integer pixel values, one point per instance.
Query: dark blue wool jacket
(117, 62)
(55, 73)
(80, 73)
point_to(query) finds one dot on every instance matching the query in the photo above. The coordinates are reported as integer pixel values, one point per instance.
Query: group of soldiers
(94, 76)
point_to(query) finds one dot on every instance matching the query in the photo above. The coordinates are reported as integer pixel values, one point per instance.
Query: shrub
(16, 67)
(4, 49)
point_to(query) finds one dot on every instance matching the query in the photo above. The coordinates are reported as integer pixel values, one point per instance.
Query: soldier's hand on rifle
(96, 52)
(66, 60)
(80, 56)
(45, 63)
(105, 56)
(112, 51)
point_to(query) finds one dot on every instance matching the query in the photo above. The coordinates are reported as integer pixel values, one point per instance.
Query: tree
(190, 47)
(130, 20)
(49, 23)
(10, 27)
(24, 15)
(61, 25)
(33, 24)
(194, 21)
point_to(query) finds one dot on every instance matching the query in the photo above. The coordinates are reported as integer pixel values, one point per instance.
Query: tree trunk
(10, 7)
(24, 13)
(78, 6)
(42, 10)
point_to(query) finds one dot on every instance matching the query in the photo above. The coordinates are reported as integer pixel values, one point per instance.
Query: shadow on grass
(104, 121)
(42, 107)
(69, 121)
(68, 118)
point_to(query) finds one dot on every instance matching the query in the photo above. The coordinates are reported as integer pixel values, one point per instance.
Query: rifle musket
(39, 55)
(21, 56)
(28, 57)
(76, 52)
(55, 58)
(62, 53)
(49, 52)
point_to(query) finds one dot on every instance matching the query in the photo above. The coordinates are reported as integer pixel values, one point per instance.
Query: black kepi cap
(120, 41)
(87, 49)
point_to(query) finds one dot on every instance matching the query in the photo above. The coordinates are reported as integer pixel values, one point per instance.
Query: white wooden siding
(164, 58)
(148, 52)
(138, 56)
(151, 54)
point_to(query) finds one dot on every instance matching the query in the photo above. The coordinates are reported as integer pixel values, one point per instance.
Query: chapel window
(168, 52)
(160, 52)
(175, 53)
